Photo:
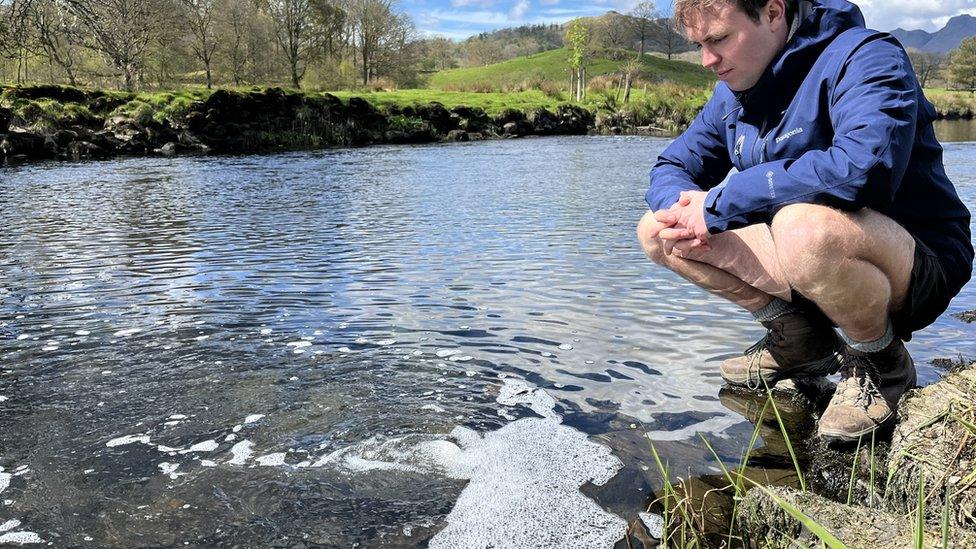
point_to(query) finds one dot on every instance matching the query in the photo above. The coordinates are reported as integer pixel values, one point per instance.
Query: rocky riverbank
(67, 123)
(924, 483)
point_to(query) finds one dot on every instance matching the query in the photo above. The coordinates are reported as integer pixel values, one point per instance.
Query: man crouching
(839, 212)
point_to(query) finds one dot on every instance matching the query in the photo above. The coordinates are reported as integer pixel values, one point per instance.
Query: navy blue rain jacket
(839, 119)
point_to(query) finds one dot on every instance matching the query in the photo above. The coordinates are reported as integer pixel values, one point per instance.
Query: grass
(552, 67)
(951, 103)
(492, 103)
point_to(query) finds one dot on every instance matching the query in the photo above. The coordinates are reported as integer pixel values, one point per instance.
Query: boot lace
(863, 372)
(755, 353)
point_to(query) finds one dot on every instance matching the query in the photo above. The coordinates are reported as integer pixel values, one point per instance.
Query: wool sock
(776, 308)
(871, 346)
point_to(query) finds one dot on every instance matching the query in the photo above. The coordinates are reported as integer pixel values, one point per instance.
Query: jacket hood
(816, 25)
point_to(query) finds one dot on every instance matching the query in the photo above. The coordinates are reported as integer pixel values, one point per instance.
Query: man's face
(736, 48)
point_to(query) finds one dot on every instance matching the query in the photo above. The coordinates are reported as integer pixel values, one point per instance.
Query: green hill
(552, 67)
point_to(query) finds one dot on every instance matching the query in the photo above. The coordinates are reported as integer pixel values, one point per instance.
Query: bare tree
(201, 19)
(612, 31)
(926, 64)
(482, 51)
(670, 39)
(53, 31)
(120, 31)
(644, 21)
(304, 29)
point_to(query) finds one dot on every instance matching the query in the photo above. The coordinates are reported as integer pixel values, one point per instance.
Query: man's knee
(651, 245)
(808, 238)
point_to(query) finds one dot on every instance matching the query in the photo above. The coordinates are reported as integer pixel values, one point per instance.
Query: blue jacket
(839, 119)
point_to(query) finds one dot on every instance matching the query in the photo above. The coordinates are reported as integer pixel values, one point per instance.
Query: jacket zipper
(760, 140)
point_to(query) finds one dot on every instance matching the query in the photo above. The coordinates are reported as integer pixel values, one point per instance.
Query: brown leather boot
(797, 344)
(867, 395)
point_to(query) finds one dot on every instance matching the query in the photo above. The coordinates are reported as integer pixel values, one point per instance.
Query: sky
(459, 19)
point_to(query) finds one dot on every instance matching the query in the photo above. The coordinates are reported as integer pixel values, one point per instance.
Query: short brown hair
(684, 9)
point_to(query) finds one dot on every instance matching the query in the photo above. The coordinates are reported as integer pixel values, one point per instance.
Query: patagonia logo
(769, 181)
(788, 135)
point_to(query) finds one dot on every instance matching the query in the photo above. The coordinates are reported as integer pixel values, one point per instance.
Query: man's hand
(682, 226)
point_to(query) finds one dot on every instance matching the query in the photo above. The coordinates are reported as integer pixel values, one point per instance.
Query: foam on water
(525, 480)
(271, 460)
(9, 525)
(241, 452)
(20, 538)
(127, 439)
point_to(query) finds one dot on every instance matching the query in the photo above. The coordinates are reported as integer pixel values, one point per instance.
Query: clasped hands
(682, 226)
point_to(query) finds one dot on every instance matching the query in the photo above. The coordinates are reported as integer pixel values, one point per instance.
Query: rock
(934, 441)
(169, 149)
(80, 150)
(24, 144)
(966, 316)
(63, 137)
(511, 129)
(764, 519)
(458, 135)
(63, 94)
(440, 119)
(5, 116)
(543, 122)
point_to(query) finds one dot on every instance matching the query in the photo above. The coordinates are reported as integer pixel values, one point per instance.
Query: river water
(379, 347)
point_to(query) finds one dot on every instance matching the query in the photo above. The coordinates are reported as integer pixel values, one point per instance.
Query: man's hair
(685, 10)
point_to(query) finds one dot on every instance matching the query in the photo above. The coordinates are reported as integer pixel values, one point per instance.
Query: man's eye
(720, 39)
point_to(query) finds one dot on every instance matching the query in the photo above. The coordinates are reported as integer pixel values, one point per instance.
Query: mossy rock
(768, 524)
(935, 444)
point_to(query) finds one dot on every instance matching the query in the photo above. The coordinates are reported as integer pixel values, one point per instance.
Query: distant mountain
(945, 40)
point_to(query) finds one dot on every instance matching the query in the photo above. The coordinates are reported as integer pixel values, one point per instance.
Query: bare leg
(855, 266)
(741, 266)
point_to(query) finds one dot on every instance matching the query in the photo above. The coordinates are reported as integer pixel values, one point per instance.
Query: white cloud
(519, 10)
(478, 3)
(929, 15)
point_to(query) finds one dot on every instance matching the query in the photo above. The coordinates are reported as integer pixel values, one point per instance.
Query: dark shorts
(928, 294)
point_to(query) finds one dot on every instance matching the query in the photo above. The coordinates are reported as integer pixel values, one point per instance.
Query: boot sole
(845, 437)
(817, 368)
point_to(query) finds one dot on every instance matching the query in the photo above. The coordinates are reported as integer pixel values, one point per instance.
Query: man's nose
(709, 59)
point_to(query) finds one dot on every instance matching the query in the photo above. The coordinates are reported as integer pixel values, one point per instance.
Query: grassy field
(952, 104)
(552, 68)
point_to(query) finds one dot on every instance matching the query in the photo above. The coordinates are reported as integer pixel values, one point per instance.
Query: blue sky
(459, 19)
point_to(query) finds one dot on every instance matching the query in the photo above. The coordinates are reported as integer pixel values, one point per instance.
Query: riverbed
(387, 346)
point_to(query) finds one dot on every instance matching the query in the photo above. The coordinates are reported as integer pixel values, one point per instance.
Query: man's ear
(775, 9)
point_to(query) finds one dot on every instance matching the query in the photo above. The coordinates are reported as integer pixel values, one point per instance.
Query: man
(840, 212)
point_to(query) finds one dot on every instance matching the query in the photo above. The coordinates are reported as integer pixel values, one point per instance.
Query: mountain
(943, 41)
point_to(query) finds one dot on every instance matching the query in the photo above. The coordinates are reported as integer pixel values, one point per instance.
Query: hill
(944, 40)
(552, 68)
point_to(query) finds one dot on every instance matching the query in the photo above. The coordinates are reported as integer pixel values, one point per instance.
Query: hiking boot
(867, 396)
(796, 344)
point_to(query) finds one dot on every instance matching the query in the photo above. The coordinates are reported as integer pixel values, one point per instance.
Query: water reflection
(955, 130)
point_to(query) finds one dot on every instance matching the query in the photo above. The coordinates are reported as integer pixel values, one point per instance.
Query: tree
(295, 35)
(53, 29)
(578, 41)
(612, 31)
(962, 64)
(926, 64)
(631, 70)
(201, 20)
(482, 51)
(644, 18)
(120, 31)
(670, 39)
(380, 34)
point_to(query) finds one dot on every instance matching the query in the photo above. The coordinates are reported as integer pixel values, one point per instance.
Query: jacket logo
(788, 135)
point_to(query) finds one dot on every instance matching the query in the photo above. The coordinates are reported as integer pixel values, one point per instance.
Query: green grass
(952, 104)
(492, 103)
(552, 68)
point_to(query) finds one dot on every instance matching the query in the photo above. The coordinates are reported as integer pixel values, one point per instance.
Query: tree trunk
(627, 88)
(295, 80)
(209, 76)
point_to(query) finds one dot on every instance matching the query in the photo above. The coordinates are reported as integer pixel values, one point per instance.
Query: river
(358, 347)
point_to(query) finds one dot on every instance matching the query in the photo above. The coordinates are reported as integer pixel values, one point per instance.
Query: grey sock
(776, 308)
(871, 346)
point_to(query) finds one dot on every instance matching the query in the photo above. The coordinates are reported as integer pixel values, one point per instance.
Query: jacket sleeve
(697, 160)
(873, 109)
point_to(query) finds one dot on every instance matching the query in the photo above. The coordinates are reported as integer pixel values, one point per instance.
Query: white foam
(386, 342)
(524, 488)
(82, 332)
(169, 469)
(241, 452)
(177, 416)
(299, 344)
(127, 332)
(3, 398)
(207, 463)
(22, 337)
(9, 525)
(271, 460)
(444, 353)
(654, 524)
(433, 408)
(566, 347)
(252, 418)
(20, 538)
(205, 446)
(127, 439)
(515, 392)
(266, 331)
